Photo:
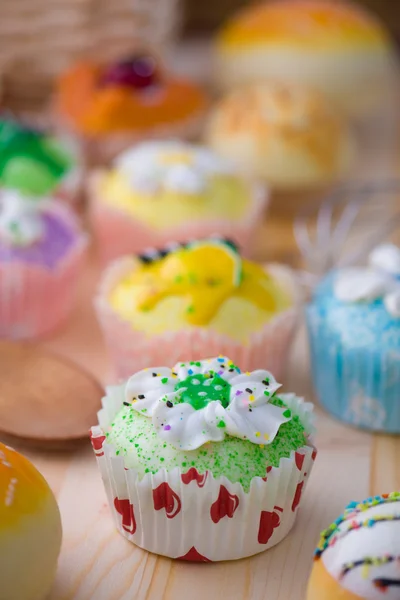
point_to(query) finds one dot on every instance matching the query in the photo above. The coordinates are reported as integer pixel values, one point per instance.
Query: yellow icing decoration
(225, 196)
(308, 24)
(205, 284)
(22, 489)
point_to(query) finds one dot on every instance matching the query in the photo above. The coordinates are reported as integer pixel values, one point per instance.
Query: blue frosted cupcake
(354, 330)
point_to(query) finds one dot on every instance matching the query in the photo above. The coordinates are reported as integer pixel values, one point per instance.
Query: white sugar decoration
(21, 222)
(379, 280)
(172, 166)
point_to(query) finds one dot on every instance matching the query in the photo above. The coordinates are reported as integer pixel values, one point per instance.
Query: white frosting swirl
(247, 414)
(21, 223)
(378, 280)
(170, 165)
(364, 556)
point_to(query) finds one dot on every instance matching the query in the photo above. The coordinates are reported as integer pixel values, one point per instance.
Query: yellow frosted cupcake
(337, 47)
(30, 530)
(196, 298)
(162, 191)
(285, 134)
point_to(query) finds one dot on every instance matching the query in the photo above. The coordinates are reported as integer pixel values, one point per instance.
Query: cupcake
(336, 47)
(202, 462)
(283, 133)
(162, 191)
(30, 529)
(37, 164)
(354, 331)
(358, 555)
(41, 255)
(195, 298)
(110, 107)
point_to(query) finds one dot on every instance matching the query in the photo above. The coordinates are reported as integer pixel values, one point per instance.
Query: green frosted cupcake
(36, 164)
(203, 462)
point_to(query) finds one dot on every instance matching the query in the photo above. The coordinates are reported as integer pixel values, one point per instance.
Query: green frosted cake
(200, 445)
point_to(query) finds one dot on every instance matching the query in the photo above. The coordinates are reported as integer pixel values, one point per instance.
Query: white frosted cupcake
(202, 462)
(336, 47)
(358, 555)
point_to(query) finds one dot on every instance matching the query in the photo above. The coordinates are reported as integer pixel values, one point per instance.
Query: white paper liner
(192, 516)
(132, 350)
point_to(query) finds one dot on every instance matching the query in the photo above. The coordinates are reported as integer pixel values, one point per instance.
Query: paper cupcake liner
(196, 517)
(132, 350)
(34, 299)
(102, 149)
(358, 385)
(118, 234)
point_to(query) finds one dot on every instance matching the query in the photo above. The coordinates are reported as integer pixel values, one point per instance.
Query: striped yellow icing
(307, 24)
(203, 284)
(23, 490)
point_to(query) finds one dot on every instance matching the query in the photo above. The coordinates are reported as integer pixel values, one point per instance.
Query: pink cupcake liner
(117, 233)
(132, 350)
(196, 517)
(34, 299)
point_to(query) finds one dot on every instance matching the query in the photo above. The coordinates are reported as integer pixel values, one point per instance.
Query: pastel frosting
(97, 109)
(379, 280)
(304, 24)
(288, 134)
(202, 284)
(34, 232)
(205, 414)
(168, 183)
(361, 549)
(31, 162)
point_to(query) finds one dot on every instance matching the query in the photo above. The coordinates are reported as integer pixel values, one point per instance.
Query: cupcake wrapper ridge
(194, 516)
(34, 300)
(132, 350)
(118, 234)
(359, 386)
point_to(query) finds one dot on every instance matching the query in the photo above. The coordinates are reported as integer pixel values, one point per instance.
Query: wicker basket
(40, 38)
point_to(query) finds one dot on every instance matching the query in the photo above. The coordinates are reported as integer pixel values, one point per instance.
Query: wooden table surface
(97, 563)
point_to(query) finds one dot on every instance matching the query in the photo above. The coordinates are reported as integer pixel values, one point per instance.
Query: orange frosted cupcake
(109, 107)
(30, 529)
(337, 47)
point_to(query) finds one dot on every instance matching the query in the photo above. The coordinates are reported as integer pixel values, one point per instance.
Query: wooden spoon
(44, 398)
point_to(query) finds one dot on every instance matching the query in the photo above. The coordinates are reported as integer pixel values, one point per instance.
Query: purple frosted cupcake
(41, 253)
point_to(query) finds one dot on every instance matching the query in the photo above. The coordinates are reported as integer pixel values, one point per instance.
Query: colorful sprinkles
(239, 460)
(330, 535)
(367, 563)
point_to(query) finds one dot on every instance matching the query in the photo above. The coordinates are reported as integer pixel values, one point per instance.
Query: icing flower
(172, 166)
(21, 223)
(205, 273)
(202, 401)
(381, 279)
